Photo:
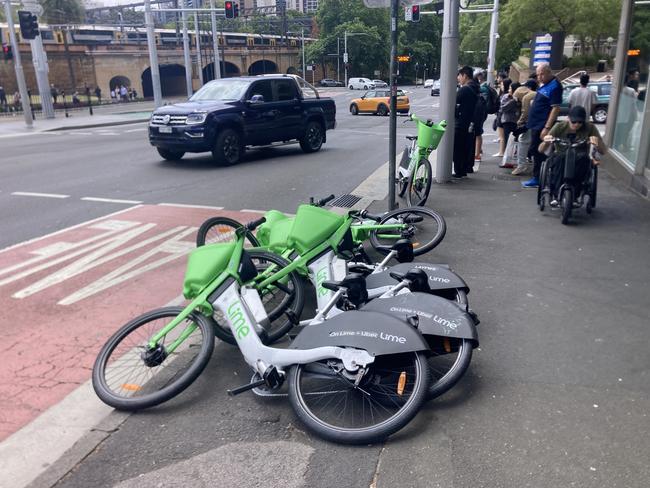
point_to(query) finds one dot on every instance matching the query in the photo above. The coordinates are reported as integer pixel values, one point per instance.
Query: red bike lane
(64, 294)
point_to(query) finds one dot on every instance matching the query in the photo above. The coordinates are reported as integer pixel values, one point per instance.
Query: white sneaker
(497, 155)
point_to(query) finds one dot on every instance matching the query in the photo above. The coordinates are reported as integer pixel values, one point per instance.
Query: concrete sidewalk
(557, 394)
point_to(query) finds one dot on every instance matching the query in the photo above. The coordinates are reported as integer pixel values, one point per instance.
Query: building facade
(628, 127)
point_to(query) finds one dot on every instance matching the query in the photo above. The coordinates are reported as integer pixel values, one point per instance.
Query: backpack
(480, 111)
(491, 99)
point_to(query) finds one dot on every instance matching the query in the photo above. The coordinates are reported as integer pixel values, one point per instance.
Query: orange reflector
(131, 387)
(416, 244)
(225, 230)
(446, 344)
(401, 383)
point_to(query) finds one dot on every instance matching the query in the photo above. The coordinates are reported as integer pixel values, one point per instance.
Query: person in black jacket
(466, 98)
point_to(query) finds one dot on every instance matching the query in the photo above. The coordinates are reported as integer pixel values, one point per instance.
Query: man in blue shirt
(543, 113)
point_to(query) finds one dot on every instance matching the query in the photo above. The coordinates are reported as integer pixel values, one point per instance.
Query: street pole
(153, 55)
(215, 42)
(492, 49)
(41, 68)
(18, 66)
(345, 57)
(392, 131)
(448, 65)
(186, 53)
(302, 38)
(199, 62)
(338, 58)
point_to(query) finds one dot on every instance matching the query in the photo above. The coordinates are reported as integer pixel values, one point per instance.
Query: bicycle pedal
(293, 318)
(242, 389)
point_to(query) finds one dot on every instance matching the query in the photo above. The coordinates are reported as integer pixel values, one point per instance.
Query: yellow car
(378, 101)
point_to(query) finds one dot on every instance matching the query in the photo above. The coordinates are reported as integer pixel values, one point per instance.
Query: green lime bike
(356, 381)
(414, 175)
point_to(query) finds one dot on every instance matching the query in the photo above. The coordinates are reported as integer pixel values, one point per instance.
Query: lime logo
(237, 320)
(320, 277)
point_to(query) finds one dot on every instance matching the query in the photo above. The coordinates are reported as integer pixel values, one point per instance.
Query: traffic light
(236, 9)
(415, 13)
(28, 24)
(7, 52)
(230, 10)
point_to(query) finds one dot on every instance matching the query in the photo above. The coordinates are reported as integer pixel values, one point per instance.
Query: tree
(62, 11)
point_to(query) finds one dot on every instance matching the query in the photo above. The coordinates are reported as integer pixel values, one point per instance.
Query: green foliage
(640, 35)
(62, 11)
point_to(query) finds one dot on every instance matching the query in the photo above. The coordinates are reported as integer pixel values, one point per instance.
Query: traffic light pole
(392, 131)
(40, 67)
(20, 76)
(215, 42)
(186, 53)
(494, 25)
(153, 55)
(199, 62)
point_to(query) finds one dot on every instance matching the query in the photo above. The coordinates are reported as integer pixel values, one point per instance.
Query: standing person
(509, 115)
(54, 92)
(542, 116)
(16, 101)
(125, 93)
(98, 94)
(583, 96)
(525, 95)
(3, 97)
(466, 98)
(479, 119)
(112, 95)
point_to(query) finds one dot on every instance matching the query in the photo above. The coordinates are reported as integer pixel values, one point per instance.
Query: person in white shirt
(583, 96)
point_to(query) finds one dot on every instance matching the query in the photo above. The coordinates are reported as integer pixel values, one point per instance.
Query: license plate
(165, 130)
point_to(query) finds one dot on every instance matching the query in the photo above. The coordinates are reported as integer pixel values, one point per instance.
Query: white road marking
(183, 205)
(107, 134)
(136, 130)
(253, 211)
(110, 200)
(43, 195)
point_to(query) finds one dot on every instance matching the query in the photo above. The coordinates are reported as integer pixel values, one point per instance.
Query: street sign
(310, 67)
(408, 14)
(404, 58)
(345, 57)
(33, 6)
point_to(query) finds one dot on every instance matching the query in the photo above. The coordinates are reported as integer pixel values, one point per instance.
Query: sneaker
(507, 165)
(497, 155)
(554, 203)
(523, 170)
(454, 175)
(532, 183)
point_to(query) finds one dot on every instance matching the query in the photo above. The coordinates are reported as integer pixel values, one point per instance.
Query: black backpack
(491, 100)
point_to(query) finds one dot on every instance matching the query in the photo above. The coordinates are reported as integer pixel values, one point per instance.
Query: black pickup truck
(227, 115)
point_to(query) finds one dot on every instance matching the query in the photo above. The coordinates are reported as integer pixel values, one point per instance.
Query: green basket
(204, 264)
(430, 136)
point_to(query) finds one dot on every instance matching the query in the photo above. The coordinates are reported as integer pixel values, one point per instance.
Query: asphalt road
(117, 163)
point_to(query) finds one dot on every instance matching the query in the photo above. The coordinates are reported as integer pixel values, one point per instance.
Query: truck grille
(169, 119)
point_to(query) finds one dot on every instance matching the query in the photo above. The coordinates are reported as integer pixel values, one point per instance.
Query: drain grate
(345, 201)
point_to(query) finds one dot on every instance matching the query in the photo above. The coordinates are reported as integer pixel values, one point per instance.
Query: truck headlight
(196, 118)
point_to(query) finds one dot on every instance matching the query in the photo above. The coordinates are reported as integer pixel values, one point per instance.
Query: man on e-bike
(574, 130)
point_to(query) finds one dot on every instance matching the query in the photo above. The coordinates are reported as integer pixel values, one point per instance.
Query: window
(263, 88)
(605, 89)
(370, 94)
(285, 90)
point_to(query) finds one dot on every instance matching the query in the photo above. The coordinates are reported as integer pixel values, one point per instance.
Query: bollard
(65, 105)
(90, 104)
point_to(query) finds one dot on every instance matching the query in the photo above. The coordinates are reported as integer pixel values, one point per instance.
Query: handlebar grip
(255, 223)
(323, 201)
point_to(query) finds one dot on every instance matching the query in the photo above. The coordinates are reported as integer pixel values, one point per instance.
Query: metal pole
(392, 131)
(18, 66)
(338, 58)
(345, 57)
(186, 53)
(302, 38)
(215, 42)
(448, 71)
(492, 49)
(153, 55)
(223, 52)
(40, 66)
(199, 62)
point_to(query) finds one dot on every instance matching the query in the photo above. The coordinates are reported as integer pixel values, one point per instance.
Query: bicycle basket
(204, 264)
(311, 227)
(430, 136)
(273, 233)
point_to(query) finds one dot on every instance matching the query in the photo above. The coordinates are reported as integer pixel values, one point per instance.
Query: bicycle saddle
(355, 285)
(411, 138)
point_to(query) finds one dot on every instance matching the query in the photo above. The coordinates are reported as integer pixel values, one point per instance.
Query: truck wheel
(170, 155)
(228, 148)
(313, 138)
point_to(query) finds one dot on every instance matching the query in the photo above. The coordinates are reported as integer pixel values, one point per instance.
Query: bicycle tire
(447, 369)
(403, 182)
(279, 324)
(222, 229)
(150, 386)
(567, 204)
(429, 217)
(419, 184)
(543, 181)
(359, 417)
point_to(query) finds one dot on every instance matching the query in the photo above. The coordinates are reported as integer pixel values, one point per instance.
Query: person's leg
(478, 148)
(502, 147)
(470, 157)
(538, 158)
(460, 143)
(522, 153)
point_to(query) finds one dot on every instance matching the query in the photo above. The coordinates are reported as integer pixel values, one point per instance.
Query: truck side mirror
(256, 99)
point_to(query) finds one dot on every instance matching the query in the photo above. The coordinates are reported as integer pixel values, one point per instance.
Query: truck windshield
(221, 90)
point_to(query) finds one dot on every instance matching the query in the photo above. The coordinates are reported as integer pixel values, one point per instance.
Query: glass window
(285, 90)
(263, 88)
(221, 90)
(605, 89)
(370, 94)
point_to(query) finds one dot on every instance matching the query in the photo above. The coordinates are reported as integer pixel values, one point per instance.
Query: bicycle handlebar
(255, 223)
(323, 201)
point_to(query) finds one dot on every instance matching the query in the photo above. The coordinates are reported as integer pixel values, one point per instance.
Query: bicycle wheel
(128, 375)
(567, 204)
(222, 229)
(419, 184)
(424, 227)
(447, 364)
(278, 297)
(326, 400)
(403, 182)
(543, 188)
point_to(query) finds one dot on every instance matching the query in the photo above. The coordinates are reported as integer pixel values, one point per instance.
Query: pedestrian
(524, 95)
(98, 94)
(135, 94)
(542, 116)
(496, 124)
(509, 114)
(3, 97)
(75, 98)
(124, 93)
(479, 119)
(627, 117)
(112, 95)
(54, 92)
(504, 89)
(583, 96)
(633, 79)
(466, 98)
(16, 100)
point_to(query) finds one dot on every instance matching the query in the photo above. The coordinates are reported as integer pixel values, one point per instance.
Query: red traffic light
(230, 11)
(415, 13)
